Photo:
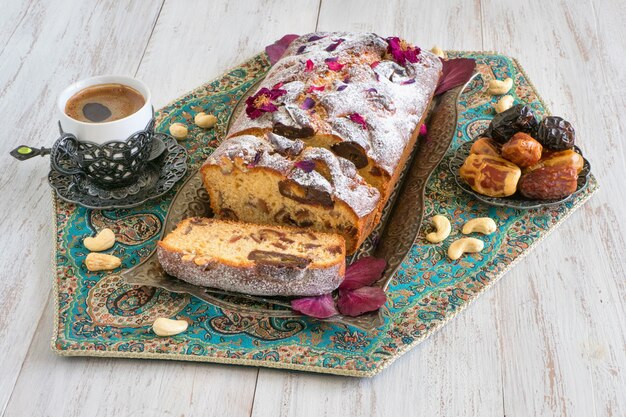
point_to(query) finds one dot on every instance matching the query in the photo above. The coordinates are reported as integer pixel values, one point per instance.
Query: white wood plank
(193, 42)
(45, 46)
(457, 371)
(422, 22)
(562, 327)
(72, 387)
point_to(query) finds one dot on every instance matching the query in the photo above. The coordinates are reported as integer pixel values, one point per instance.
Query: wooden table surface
(548, 340)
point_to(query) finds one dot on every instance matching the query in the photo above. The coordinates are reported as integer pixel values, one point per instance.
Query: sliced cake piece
(253, 259)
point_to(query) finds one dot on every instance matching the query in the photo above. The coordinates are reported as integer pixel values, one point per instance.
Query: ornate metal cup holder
(114, 174)
(156, 178)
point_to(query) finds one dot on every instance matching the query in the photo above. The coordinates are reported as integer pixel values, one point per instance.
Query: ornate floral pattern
(98, 315)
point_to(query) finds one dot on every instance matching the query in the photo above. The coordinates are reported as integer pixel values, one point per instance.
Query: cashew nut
(168, 327)
(497, 87)
(442, 225)
(484, 225)
(204, 120)
(101, 262)
(178, 131)
(438, 51)
(505, 103)
(104, 240)
(464, 245)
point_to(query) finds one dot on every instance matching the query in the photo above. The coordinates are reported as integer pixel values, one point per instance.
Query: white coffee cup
(117, 130)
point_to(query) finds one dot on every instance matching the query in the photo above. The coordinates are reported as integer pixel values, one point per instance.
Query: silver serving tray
(391, 239)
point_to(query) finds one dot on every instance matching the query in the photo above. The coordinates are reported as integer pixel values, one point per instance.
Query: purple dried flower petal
(305, 165)
(363, 272)
(409, 81)
(315, 38)
(455, 72)
(255, 161)
(300, 49)
(307, 104)
(331, 59)
(356, 302)
(320, 307)
(371, 90)
(346, 80)
(342, 87)
(334, 46)
(276, 50)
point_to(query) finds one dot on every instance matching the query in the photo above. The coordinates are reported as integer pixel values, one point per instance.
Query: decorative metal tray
(516, 201)
(391, 240)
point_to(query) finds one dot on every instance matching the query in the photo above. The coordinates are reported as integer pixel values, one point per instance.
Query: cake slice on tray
(253, 259)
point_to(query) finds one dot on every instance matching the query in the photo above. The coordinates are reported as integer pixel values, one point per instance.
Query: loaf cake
(322, 143)
(253, 259)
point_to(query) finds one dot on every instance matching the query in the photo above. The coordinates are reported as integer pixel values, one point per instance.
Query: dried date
(547, 183)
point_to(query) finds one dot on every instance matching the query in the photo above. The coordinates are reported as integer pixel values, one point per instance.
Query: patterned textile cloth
(98, 315)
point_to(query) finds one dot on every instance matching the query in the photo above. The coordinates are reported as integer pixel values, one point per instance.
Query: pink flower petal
(356, 302)
(334, 65)
(357, 118)
(276, 50)
(309, 65)
(363, 272)
(315, 88)
(455, 72)
(320, 307)
(277, 86)
(255, 108)
(423, 130)
(305, 165)
(374, 64)
(401, 51)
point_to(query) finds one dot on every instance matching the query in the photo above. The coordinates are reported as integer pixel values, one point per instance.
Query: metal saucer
(167, 165)
(516, 201)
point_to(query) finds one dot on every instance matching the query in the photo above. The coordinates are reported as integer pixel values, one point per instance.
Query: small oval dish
(516, 201)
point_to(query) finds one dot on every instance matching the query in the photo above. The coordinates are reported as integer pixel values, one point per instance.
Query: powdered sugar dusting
(345, 184)
(390, 97)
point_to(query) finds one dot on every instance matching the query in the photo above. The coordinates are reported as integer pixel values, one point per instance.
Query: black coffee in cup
(104, 103)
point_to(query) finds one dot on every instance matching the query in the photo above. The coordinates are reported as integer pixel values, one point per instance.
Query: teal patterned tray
(98, 315)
